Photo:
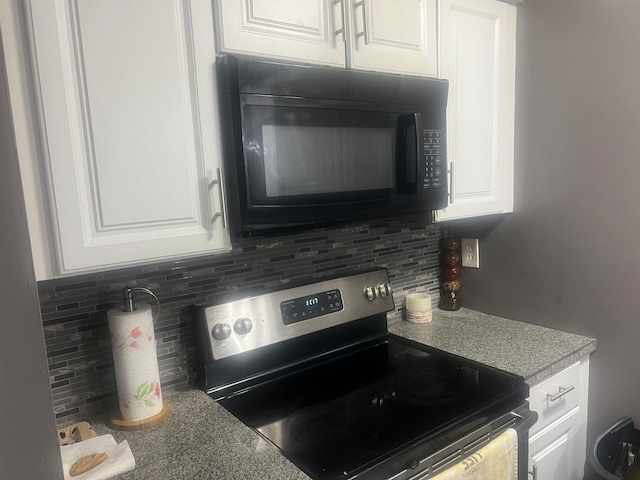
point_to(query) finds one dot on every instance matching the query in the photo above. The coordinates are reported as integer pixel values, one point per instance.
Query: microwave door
(303, 156)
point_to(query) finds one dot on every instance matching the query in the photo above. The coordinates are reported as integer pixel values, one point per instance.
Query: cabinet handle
(340, 30)
(365, 31)
(218, 214)
(562, 391)
(223, 197)
(534, 473)
(451, 183)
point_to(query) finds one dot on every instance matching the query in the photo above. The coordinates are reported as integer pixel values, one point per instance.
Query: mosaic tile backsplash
(74, 310)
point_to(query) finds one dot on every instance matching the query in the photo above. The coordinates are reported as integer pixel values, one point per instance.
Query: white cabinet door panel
(552, 451)
(393, 36)
(129, 118)
(384, 35)
(558, 440)
(477, 56)
(119, 71)
(304, 30)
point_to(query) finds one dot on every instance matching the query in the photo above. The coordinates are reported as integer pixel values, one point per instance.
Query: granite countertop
(532, 351)
(200, 439)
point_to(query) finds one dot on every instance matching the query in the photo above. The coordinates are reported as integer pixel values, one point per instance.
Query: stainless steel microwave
(308, 146)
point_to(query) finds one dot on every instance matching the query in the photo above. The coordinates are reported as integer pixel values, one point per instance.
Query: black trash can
(614, 455)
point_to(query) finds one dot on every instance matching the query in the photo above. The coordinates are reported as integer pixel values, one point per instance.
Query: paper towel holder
(116, 419)
(129, 304)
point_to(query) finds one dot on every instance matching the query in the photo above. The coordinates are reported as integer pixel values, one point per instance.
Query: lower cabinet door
(552, 450)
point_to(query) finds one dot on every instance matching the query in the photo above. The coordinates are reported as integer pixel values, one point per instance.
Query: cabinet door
(128, 110)
(304, 30)
(552, 450)
(393, 36)
(558, 440)
(477, 56)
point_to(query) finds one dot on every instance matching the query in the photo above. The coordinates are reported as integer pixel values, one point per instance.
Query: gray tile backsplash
(74, 309)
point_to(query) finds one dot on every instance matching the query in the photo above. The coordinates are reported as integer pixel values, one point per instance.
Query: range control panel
(311, 306)
(433, 154)
(253, 322)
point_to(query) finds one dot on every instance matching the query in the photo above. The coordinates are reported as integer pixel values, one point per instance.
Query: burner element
(423, 387)
(381, 400)
(332, 427)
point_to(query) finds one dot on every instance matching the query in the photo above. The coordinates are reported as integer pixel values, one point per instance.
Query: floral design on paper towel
(133, 337)
(147, 391)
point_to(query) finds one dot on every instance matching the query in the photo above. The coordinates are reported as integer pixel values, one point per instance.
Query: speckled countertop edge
(532, 351)
(200, 439)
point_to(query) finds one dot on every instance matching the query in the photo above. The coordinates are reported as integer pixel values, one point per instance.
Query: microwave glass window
(318, 159)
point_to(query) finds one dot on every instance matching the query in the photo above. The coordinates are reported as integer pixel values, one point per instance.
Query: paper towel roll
(136, 363)
(419, 308)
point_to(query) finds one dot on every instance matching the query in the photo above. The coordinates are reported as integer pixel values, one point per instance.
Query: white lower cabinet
(477, 56)
(128, 115)
(558, 440)
(552, 450)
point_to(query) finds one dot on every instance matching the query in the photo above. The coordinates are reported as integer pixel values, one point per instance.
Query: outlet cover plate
(470, 253)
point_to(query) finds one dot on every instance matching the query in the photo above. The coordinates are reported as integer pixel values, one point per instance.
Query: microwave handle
(408, 153)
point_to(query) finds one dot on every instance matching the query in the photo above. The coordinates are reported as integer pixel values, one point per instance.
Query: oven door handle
(525, 422)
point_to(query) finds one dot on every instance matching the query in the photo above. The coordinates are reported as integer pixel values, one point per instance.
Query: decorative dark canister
(450, 274)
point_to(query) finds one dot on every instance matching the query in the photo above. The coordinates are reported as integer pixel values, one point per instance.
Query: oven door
(410, 465)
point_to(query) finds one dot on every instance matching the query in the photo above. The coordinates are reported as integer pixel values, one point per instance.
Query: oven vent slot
(471, 447)
(478, 439)
(501, 428)
(455, 455)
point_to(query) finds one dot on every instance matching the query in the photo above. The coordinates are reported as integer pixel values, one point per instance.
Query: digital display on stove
(311, 306)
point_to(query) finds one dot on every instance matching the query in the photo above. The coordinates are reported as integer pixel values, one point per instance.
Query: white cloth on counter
(119, 461)
(496, 461)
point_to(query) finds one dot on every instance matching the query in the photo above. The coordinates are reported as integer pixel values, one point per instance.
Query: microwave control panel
(432, 156)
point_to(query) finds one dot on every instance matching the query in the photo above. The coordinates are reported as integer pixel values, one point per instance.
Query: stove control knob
(370, 293)
(384, 290)
(242, 326)
(221, 331)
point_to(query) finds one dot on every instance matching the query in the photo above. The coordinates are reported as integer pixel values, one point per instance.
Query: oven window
(308, 160)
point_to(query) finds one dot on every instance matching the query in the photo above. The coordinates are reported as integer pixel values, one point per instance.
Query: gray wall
(569, 257)
(26, 406)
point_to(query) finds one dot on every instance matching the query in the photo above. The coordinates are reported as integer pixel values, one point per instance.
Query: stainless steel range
(313, 369)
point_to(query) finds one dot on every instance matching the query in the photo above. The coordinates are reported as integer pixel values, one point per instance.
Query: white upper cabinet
(477, 56)
(129, 124)
(383, 35)
(304, 30)
(393, 36)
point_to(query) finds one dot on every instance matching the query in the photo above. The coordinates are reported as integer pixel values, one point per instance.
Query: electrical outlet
(470, 253)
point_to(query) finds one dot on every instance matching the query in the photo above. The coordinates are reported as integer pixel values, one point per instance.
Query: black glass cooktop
(338, 418)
